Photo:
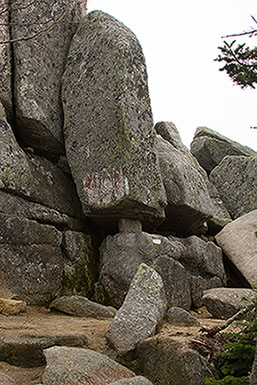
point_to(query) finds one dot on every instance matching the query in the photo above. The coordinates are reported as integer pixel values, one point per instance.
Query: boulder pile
(100, 209)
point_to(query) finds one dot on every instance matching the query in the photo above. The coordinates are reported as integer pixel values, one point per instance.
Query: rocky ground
(41, 323)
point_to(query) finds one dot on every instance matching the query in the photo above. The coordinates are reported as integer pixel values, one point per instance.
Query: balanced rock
(108, 130)
(37, 81)
(224, 302)
(142, 310)
(209, 147)
(238, 241)
(81, 307)
(85, 367)
(11, 307)
(235, 179)
(189, 204)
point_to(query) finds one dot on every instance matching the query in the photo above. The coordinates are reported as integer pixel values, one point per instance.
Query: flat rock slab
(224, 302)
(85, 367)
(142, 310)
(23, 337)
(108, 124)
(238, 241)
(82, 307)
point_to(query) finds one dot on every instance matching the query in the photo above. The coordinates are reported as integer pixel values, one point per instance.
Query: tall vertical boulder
(5, 58)
(108, 125)
(39, 59)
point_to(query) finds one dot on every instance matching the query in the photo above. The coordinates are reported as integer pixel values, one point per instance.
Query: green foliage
(240, 63)
(238, 354)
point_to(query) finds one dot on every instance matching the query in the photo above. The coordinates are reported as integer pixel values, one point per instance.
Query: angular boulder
(85, 366)
(169, 132)
(108, 130)
(37, 82)
(121, 255)
(238, 241)
(142, 310)
(235, 179)
(81, 307)
(172, 361)
(189, 204)
(209, 147)
(180, 317)
(224, 302)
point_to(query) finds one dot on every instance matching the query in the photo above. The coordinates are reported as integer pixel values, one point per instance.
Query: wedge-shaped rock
(81, 307)
(235, 179)
(189, 204)
(109, 136)
(38, 80)
(224, 302)
(142, 310)
(67, 366)
(209, 147)
(238, 241)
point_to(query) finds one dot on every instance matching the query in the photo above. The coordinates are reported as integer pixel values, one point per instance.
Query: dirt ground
(40, 321)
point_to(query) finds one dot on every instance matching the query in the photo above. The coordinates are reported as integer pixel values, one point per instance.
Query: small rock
(12, 307)
(127, 225)
(85, 367)
(82, 307)
(224, 302)
(180, 317)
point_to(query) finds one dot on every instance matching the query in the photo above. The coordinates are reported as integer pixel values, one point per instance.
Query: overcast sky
(180, 40)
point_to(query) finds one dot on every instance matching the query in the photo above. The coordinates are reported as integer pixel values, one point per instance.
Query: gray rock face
(203, 263)
(189, 204)
(239, 242)
(38, 80)
(109, 136)
(175, 281)
(127, 225)
(5, 61)
(31, 262)
(235, 179)
(81, 307)
(33, 177)
(121, 255)
(170, 361)
(27, 350)
(180, 317)
(79, 263)
(86, 367)
(143, 308)
(209, 147)
(138, 380)
(224, 302)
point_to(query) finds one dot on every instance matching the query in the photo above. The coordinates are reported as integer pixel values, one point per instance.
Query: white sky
(180, 40)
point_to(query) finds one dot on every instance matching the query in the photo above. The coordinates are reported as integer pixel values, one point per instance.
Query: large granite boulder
(172, 361)
(121, 255)
(37, 81)
(209, 147)
(238, 241)
(85, 367)
(203, 263)
(224, 302)
(189, 204)
(109, 136)
(235, 179)
(142, 310)
(5, 59)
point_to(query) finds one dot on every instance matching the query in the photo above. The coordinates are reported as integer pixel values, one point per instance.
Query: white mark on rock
(157, 241)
